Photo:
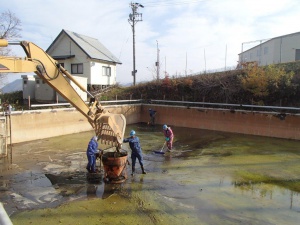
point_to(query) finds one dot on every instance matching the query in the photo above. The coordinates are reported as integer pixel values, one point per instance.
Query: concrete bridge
(38, 124)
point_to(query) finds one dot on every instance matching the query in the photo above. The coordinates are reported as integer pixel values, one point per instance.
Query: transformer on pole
(134, 17)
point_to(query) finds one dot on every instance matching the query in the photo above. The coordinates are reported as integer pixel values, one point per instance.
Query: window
(77, 68)
(106, 71)
(297, 56)
(266, 49)
(258, 52)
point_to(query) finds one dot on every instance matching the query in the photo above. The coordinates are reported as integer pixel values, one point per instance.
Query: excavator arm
(108, 127)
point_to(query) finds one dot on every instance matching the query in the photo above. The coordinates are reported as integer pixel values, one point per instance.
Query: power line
(171, 3)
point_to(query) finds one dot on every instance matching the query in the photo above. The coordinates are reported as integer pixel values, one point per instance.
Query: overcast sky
(192, 35)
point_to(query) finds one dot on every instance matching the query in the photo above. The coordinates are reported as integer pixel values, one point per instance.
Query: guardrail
(277, 109)
(118, 102)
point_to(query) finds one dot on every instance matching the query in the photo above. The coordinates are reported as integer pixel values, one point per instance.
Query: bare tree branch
(10, 25)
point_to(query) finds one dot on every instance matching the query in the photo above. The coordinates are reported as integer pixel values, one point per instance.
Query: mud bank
(209, 178)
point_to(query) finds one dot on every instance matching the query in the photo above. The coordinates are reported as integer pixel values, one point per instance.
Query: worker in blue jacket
(91, 152)
(152, 114)
(136, 151)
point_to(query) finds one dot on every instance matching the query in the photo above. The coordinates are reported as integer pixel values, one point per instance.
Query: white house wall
(92, 70)
(97, 76)
(65, 46)
(83, 82)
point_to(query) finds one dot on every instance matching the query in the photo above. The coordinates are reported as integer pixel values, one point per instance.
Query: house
(276, 50)
(44, 93)
(91, 64)
(85, 56)
(34, 88)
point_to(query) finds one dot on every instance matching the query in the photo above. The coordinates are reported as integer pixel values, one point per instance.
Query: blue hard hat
(132, 133)
(165, 127)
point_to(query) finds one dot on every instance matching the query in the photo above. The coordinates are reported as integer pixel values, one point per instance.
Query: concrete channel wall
(239, 121)
(39, 124)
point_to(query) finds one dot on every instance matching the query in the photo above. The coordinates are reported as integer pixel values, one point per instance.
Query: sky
(191, 36)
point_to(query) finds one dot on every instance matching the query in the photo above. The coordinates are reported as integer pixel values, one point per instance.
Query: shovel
(160, 152)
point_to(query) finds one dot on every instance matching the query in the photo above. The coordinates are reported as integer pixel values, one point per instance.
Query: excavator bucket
(110, 128)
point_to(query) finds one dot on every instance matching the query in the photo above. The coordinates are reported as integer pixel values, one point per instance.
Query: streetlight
(134, 17)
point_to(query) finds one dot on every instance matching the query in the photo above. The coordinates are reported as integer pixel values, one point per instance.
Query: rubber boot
(143, 170)
(133, 171)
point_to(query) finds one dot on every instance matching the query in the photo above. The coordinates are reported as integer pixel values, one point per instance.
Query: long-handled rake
(161, 151)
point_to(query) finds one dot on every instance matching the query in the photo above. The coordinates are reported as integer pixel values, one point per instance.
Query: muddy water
(209, 178)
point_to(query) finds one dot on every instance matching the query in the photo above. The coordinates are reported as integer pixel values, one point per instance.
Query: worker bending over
(91, 152)
(169, 136)
(136, 151)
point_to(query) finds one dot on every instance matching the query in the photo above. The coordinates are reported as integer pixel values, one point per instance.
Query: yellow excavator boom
(109, 127)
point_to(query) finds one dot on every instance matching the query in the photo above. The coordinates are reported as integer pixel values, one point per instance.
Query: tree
(10, 27)
(267, 82)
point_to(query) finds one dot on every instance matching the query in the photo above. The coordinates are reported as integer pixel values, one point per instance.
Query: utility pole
(186, 64)
(157, 63)
(225, 56)
(134, 17)
(204, 62)
(165, 66)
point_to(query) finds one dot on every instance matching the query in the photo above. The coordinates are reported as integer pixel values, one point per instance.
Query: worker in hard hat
(169, 136)
(152, 114)
(136, 151)
(91, 152)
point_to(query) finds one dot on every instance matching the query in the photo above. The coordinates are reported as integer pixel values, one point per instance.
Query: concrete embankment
(39, 124)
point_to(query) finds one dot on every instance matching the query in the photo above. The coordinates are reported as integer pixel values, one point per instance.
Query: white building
(34, 88)
(89, 62)
(28, 87)
(276, 50)
(85, 57)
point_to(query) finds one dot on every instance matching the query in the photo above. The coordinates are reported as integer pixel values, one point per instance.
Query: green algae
(95, 211)
(137, 208)
(209, 178)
